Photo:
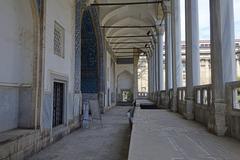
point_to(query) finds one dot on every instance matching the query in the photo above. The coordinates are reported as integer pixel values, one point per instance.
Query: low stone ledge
(19, 144)
(13, 142)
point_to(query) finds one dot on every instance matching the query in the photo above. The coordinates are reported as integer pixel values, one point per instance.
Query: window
(58, 40)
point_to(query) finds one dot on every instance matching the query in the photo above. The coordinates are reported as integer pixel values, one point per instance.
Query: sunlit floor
(108, 143)
(163, 135)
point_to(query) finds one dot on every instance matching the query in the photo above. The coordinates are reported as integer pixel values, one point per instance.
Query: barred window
(58, 40)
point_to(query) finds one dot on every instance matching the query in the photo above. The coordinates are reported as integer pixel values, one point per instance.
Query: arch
(125, 82)
(21, 51)
(122, 12)
(89, 56)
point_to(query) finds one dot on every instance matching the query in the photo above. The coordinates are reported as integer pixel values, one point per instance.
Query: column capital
(167, 7)
(160, 29)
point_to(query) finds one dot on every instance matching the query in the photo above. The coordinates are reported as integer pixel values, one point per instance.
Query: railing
(203, 95)
(233, 91)
(142, 94)
(163, 95)
(181, 99)
(181, 94)
(170, 96)
(233, 108)
(202, 103)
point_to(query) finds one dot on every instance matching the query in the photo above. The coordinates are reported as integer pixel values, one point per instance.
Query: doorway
(126, 96)
(58, 103)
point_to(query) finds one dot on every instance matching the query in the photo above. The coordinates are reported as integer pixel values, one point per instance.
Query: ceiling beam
(129, 26)
(124, 56)
(132, 36)
(126, 52)
(130, 42)
(128, 56)
(130, 48)
(128, 3)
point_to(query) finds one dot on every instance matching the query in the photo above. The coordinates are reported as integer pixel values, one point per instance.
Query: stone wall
(21, 144)
(57, 68)
(201, 114)
(16, 64)
(16, 42)
(232, 115)
(9, 97)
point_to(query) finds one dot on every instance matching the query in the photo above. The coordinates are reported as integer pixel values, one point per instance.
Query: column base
(188, 109)
(167, 102)
(217, 119)
(174, 104)
(152, 96)
(158, 100)
(156, 97)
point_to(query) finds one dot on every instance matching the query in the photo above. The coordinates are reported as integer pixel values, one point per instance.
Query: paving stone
(109, 142)
(163, 135)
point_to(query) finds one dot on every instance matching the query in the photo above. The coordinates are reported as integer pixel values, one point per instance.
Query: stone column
(156, 69)
(168, 52)
(238, 66)
(223, 60)
(192, 55)
(176, 50)
(154, 73)
(135, 69)
(160, 57)
(148, 63)
(151, 75)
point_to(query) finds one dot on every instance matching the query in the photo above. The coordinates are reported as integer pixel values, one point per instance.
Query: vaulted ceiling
(130, 24)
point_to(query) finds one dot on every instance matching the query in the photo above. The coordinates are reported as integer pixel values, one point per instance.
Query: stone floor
(163, 135)
(108, 143)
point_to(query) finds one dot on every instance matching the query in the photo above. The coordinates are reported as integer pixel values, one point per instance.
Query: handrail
(143, 94)
(162, 96)
(234, 88)
(170, 95)
(181, 94)
(203, 94)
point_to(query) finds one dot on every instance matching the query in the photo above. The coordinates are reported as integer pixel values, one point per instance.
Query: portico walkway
(163, 135)
(108, 143)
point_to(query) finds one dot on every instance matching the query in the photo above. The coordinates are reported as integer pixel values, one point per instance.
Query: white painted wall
(16, 62)
(112, 81)
(108, 75)
(16, 41)
(124, 82)
(63, 12)
(109, 80)
(122, 67)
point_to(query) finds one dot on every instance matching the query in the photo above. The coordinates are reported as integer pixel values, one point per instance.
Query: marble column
(160, 58)
(148, 64)
(156, 69)
(154, 73)
(238, 67)
(223, 60)
(176, 50)
(168, 55)
(135, 69)
(151, 70)
(192, 55)
(153, 82)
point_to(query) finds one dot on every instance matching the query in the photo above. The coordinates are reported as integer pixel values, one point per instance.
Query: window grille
(58, 40)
